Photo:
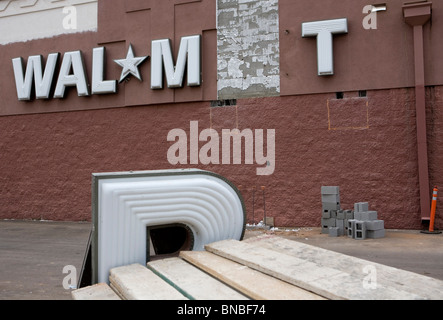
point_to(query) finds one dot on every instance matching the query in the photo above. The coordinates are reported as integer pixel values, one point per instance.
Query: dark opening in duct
(168, 240)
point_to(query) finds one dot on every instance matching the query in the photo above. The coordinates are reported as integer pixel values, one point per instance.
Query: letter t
(324, 30)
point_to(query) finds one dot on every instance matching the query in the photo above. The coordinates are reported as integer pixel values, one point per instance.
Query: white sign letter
(98, 85)
(78, 79)
(189, 52)
(324, 30)
(42, 81)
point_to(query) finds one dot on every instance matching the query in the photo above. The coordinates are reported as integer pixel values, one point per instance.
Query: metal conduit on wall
(417, 14)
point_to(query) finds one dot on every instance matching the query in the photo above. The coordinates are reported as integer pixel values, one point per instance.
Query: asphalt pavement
(38, 259)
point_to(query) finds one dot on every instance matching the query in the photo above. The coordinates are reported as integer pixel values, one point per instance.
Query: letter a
(370, 21)
(70, 21)
(181, 146)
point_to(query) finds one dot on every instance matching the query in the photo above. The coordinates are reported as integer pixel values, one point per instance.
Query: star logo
(130, 65)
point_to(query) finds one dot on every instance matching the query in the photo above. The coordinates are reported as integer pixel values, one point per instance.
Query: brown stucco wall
(47, 159)
(364, 59)
(365, 145)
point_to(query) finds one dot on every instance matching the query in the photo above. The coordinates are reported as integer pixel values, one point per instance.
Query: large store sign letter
(34, 73)
(72, 72)
(72, 61)
(162, 55)
(100, 86)
(324, 31)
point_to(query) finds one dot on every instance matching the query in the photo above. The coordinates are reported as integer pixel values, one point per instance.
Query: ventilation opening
(223, 103)
(339, 95)
(167, 241)
(362, 93)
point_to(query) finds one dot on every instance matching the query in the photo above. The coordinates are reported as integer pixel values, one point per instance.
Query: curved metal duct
(127, 207)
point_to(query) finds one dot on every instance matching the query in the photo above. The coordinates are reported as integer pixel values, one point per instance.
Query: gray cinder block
(341, 215)
(333, 231)
(376, 234)
(326, 214)
(330, 198)
(340, 224)
(331, 205)
(329, 214)
(360, 230)
(350, 228)
(330, 190)
(349, 214)
(324, 229)
(365, 215)
(361, 206)
(328, 222)
(375, 225)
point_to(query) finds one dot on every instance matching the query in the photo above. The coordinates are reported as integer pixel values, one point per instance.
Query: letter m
(34, 74)
(189, 52)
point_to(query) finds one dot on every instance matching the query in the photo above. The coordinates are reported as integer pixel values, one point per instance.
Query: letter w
(43, 81)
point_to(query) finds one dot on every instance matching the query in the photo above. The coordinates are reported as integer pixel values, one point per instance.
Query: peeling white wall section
(24, 20)
(248, 48)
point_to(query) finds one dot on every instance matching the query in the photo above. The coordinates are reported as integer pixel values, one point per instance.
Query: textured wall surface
(47, 159)
(364, 59)
(248, 48)
(252, 51)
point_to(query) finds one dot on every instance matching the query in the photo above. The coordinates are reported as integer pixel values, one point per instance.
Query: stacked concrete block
(327, 223)
(349, 215)
(365, 223)
(360, 230)
(340, 225)
(361, 206)
(330, 198)
(365, 215)
(375, 229)
(350, 228)
(334, 231)
(360, 223)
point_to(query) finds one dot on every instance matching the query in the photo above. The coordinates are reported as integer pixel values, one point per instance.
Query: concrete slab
(137, 282)
(252, 283)
(100, 291)
(384, 278)
(327, 273)
(404, 249)
(193, 281)
(34, 253)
